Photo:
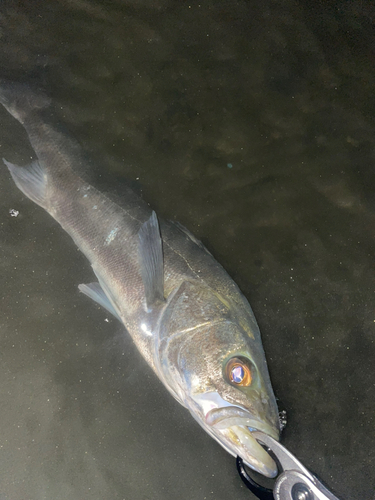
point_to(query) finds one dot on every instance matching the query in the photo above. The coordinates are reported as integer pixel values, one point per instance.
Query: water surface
(252, 123)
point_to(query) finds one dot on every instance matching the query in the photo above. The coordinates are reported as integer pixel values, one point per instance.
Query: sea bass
(185, 314)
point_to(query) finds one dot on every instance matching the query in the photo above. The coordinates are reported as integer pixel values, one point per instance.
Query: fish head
(230, 397)
(218, 371)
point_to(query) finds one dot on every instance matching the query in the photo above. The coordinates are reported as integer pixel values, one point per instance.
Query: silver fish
(186, 315)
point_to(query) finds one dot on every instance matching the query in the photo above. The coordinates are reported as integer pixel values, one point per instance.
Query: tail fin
(20, 99)
(31, 180)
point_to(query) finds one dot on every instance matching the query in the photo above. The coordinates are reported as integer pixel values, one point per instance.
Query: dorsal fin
(190, 236)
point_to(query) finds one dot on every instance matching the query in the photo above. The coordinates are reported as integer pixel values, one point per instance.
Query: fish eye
(238, 372)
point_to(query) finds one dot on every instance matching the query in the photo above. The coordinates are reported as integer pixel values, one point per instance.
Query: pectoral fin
(151, 261)
(97, 294)
(31, 180)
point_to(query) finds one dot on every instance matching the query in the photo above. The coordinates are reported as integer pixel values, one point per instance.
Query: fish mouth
(233, 427)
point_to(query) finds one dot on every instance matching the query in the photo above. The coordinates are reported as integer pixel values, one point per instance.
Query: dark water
(252, 123)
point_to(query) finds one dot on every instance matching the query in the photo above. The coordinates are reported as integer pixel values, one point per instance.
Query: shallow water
(252, 123)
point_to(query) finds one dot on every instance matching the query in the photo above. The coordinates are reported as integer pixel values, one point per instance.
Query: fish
(186, 316)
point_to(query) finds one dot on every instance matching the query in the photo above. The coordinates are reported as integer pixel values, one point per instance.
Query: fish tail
(21, 100)
(31, 180)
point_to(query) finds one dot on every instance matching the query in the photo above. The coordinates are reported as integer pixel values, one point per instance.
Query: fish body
(185, 314)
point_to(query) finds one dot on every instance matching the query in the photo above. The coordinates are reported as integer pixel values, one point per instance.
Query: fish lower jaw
(228, 416)
(244, 444)
(251, 424)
